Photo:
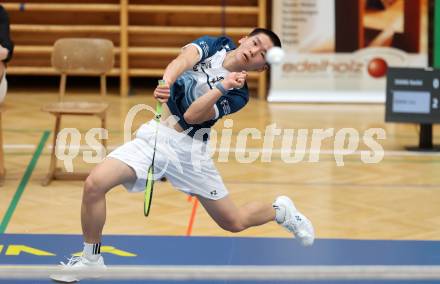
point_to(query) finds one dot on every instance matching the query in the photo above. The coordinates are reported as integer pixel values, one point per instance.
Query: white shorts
(184, 161)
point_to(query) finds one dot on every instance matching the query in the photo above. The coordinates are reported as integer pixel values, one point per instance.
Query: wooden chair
(78, 56)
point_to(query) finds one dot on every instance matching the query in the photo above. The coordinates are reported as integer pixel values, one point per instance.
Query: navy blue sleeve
(208, 45)
(5, 39)
(233, 101)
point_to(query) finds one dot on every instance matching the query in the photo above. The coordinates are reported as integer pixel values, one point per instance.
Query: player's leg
(105, 176)
(235, 219)
(196, 174)
(125, 165)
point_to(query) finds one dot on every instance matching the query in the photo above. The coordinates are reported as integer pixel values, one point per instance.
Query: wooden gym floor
(397, 198)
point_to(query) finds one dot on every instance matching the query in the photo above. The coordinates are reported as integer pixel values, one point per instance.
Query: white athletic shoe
(78, 265)
(294, 221)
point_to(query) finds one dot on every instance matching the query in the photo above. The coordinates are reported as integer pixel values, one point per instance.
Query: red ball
(377, 67)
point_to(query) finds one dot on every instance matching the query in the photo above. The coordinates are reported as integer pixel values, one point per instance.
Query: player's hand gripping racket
(150, 176)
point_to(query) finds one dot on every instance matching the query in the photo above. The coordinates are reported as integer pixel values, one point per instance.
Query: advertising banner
(340, 50)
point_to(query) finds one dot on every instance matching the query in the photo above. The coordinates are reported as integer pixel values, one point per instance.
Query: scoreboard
(413, 95)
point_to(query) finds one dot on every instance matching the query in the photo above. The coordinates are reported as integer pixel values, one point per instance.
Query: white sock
(280, 214)
(92, 252)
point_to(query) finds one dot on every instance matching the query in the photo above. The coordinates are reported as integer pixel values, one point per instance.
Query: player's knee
(92, 189)
(233, 226)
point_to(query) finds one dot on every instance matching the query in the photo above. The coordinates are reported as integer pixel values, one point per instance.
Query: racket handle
(159, 104)
(158, 111)
(162, 82)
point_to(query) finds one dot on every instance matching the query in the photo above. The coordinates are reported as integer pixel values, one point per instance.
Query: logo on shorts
(213, 193)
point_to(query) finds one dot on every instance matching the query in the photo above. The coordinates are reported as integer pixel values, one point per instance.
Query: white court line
(389, 153)
(332, 152)
(19, 146)
(236, 272)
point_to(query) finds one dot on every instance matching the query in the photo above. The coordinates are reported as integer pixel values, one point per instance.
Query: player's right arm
(185, 61)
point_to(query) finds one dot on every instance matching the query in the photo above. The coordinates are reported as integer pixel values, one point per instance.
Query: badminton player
(204, 83)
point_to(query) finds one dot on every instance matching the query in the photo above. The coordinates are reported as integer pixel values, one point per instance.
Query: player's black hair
(273, 36)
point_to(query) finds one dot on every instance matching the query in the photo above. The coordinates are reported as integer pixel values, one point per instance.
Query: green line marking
(23, 182)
